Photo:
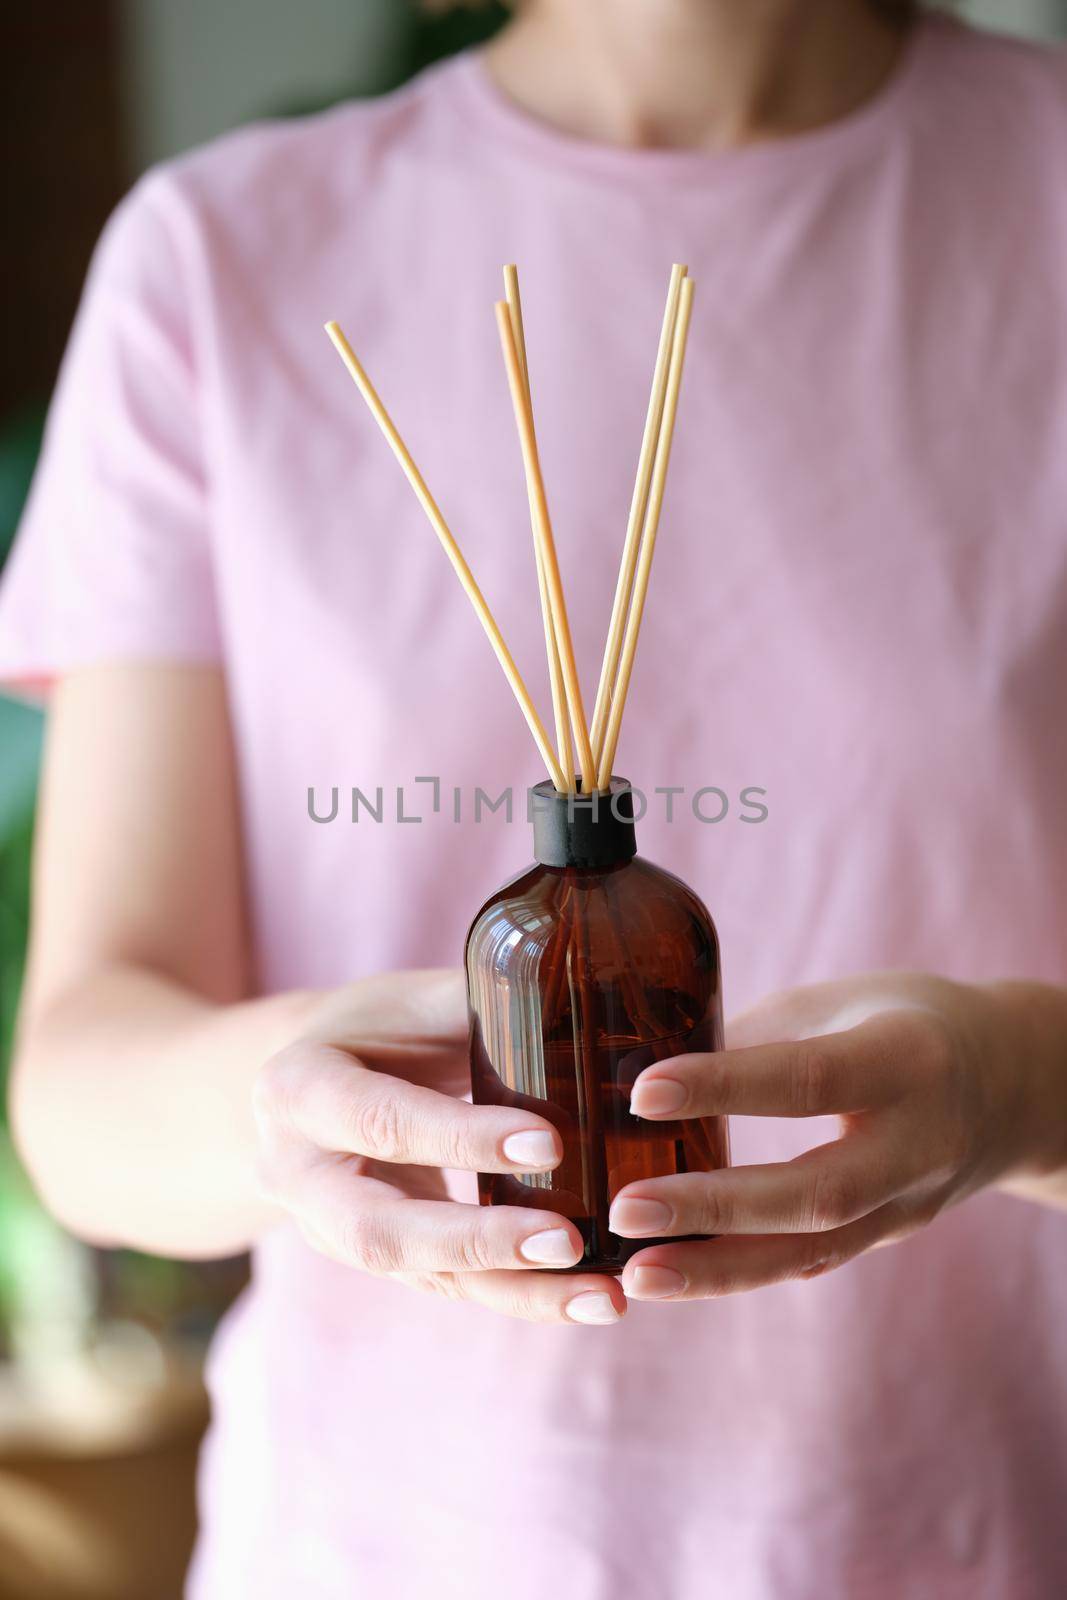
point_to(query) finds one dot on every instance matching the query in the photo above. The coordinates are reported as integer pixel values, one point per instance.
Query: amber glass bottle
(582, 971)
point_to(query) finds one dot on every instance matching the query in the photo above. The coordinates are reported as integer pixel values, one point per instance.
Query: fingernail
(654, 1283)
(638, 1217)
(593, 1307)
(554, 1247)
(531, 1149)
(657, 1098)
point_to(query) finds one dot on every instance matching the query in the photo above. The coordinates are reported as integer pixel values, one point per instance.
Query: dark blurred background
(101, 1404)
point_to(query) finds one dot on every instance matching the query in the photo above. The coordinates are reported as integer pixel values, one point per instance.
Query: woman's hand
(940, 1088)
(357, 1118)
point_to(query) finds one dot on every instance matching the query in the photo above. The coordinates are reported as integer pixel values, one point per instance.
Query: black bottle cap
(583, 830)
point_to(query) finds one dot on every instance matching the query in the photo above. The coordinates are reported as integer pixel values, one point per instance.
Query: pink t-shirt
(859, 606)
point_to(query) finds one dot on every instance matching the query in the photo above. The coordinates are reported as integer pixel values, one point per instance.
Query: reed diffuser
(591, 964)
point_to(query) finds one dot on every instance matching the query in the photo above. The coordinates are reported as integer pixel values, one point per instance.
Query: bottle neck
(583, 830)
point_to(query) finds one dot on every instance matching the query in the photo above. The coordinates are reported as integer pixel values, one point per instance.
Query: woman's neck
(693, 73)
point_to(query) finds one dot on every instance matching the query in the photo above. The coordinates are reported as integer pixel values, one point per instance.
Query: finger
(730, 1265)
(576, 1298)
(825, 1188)
(330, 1099)
(369, 1224)
(834, 1072)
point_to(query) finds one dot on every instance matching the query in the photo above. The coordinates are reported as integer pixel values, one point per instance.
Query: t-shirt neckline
(539, 141)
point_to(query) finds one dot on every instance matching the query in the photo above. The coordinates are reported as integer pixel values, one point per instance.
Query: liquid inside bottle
(581, 972)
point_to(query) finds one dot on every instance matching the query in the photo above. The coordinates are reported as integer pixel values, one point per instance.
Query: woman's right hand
(355, 1120)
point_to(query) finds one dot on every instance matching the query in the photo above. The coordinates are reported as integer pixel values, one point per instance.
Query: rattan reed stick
(638, 505)
(451, 549)
(648, 538)
(564, 747)
(543, 530)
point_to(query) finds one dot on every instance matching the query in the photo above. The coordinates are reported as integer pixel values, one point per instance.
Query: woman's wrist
(1031, 1052)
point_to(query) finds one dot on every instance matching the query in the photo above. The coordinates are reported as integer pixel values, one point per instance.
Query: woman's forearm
(1036, 1051)
(131, 1105)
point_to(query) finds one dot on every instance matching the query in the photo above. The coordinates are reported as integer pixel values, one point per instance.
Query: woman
(245, 1028)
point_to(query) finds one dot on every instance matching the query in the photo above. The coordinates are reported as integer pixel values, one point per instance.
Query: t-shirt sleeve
(112, 559)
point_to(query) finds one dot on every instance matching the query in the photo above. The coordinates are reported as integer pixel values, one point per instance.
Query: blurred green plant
(20, 744)
(20, 738)
(434, 34)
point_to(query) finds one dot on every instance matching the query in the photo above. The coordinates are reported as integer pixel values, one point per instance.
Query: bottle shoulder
(675, 890)
(515, 892)
(636, 893)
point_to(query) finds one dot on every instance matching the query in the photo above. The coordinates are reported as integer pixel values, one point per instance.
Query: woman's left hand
(940, 1089)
